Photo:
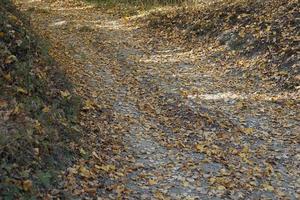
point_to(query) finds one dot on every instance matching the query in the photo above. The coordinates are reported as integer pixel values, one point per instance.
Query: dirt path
(174, 125)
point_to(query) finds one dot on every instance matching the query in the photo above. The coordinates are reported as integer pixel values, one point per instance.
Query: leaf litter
(170, 119)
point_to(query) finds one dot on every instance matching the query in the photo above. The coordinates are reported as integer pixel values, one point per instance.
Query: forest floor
(164, 120)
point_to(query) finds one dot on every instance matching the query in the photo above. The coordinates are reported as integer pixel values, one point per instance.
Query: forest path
(172, 123)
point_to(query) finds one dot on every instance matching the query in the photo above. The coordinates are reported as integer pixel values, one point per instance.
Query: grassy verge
(38, 112)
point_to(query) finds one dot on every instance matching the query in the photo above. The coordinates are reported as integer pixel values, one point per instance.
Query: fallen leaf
(17, 109)
(82, 151)
(248, 131)
(200, 147)
(38, 127)
(268, 187)
(7, 77)
(221, 187)
(65, 93)
(88, 105)
(185, 183)
(84, 172)
(159, 195)
(46, 109)
(36, 151)
(3, 103)
(10, 59)
(106, 168)
(27, 185)
(22, 90)
(152, 181)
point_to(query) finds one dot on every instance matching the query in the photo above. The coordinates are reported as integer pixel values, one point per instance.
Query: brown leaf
(22, 90)
(84, 172)
(152, 181)
(27, 185)
(3, 103)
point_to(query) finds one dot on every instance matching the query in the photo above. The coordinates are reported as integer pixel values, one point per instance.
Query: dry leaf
(7, 77)
(152, 181)
(88, 105)
(84, 172)
(200, 147)
(46, 109)
(3, 103)
(248, 131)
(65, 93)
(22, 90)
(268, 187)
(27, 185)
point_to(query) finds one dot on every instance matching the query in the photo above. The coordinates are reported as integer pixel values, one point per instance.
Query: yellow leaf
(95, 94)
(185, 183)
(82, 151)
(212, 180)
(7, 77)
(159, 195)
(38, 127)
(243, 155)
(106, 168)
(10, 59)
(12, 17)
(27, 185)
(253, 183)
(221, 187)
(248, 131)
(268, 187)
(84, 172)
(240, 105)
(22, 90)
(36, 151)
(17, 109)
(184, 93)
(1, 34)
(200, 147)
(120, 189)
(95, 155)
(120, 174)
(233, 150)
(65, 93)
(88, 105)
(269, 168)
(46, 109)
(245, 149)
(152, 181)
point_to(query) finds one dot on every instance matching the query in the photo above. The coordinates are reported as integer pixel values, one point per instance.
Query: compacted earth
(167, 119)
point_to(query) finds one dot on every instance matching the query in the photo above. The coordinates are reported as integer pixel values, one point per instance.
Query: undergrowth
(38, 112)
